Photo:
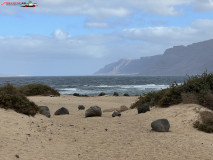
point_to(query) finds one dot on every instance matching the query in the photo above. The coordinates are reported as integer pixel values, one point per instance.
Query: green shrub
(37, 89)
(9, 89)
(11, 98)
(19, 103)
(206, 122)
(14, 98)
(205, 99)
(199, 87)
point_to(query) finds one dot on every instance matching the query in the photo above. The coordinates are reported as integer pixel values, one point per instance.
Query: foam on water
(93, 85)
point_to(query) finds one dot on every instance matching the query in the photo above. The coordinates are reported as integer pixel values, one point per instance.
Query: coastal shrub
(205, 99)
(38, 89)
(206, 122)
(11, 98)
(19, 103)
(199, 87)
(171, 96)
(9, 89)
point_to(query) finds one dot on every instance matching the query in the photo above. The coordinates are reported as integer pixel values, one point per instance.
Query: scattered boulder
(143, 109)
(81, 107)
(102, 94)
(126, 94)
(62, 111)
(122, 108)
(76, 94)
(160, 125)
(44, 110)
(93, 111)
(116, 114)
(115, 94)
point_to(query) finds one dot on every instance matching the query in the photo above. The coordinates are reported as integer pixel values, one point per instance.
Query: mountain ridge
(176, 61)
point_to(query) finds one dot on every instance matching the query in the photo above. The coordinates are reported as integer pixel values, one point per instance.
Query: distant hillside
(179, 60)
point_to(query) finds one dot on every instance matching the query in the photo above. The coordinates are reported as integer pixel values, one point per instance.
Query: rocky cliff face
(179, 60)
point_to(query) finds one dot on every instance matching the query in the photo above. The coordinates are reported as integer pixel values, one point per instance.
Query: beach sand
(73, 137)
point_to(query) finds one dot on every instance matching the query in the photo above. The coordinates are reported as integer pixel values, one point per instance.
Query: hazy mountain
(179, 60)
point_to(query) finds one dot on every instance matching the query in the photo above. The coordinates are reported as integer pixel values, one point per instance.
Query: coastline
(127, 137)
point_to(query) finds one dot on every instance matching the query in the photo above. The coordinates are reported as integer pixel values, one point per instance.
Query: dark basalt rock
(81, 107)
(160, 125)
(62, 111)
(116, 114)
(115, 94)
(44, 110)
(143, 109)
(102, 94)
(76, 94)
(93, 111)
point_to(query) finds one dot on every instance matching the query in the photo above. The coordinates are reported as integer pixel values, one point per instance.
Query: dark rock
(93, 112)
(115, 94)
(76, 94)
(81, 107)
(62, 111)
(17, 156)
(126, 94)
(102, 94)
(44, 110)
(143, 109)
(116, 114)
(161, 125)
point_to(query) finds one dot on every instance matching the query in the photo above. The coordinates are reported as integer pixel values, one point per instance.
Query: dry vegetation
(15, 97)
(197, 89)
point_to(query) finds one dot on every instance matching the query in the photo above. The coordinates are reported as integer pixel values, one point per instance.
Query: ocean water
(93, 85)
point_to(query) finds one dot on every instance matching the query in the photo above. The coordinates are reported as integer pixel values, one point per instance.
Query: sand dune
(73, 137)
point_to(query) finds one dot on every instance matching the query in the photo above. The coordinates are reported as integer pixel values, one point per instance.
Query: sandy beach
(73, 137)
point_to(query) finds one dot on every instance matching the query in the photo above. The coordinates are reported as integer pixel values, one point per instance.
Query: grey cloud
(197, 31)
(133, 42)
(203, 5)
(104, 9)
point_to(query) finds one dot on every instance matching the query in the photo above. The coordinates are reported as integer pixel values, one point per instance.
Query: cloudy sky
(78, 37)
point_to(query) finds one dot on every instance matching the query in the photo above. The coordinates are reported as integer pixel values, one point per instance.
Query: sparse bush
(9, 89)
(205, 99)
(37, 89)
(14, 98)
(11, 98)
(205, 123)
(189, 98)
(200, 89)
(19, 103)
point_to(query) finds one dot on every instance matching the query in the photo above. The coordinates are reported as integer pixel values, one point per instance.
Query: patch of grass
(37, 89)
(206, 122)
